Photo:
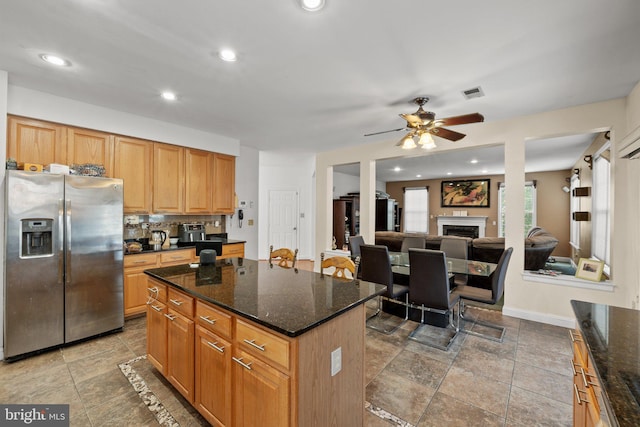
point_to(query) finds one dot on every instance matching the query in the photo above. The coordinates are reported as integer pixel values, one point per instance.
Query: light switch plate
(336, 361)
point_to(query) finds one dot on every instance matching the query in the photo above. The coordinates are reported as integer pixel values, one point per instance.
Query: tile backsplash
(146, 223)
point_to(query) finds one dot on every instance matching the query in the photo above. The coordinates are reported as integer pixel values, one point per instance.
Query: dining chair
(354, 245)
(429, 291)
(375, 266)
(455, 247)
(342, 264)
(487, 296)
(284, 256)
(413, 242)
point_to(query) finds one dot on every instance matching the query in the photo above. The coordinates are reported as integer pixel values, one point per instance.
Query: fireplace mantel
(473, 221)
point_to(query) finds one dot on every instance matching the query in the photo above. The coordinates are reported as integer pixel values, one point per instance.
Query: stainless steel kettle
(158, 236)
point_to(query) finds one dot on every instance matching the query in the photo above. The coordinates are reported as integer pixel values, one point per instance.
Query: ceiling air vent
(475, 92)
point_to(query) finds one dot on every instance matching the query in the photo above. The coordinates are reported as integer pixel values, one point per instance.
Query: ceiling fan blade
(413, 120)
(384, 131)
(462, 120)
(447, 134)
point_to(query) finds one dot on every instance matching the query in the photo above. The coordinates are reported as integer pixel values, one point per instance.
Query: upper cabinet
(133, 162)
(224, 178)
(88, 146)
(197, 192)
(34, 141)
(168, 178)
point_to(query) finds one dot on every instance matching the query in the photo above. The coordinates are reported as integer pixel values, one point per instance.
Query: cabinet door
(261, 393)
(168, 178)
(35, 141)
(135, 292)
(133, 163)
(213, 377)
(224, 183)
(198, 165)
(157, 335)
(88, 146)
(180, 357)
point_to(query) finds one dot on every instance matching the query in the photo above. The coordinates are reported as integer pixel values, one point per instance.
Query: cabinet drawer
(141, 260)
(157, 291)
(233, 250)
(179, 257)
(180, 302)
(263, 344)
(213, 319)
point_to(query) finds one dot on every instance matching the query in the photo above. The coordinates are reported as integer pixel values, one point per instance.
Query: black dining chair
(413, 242)
(429, 291)
(487, 296)
(456, 247)
(375, 266)
(354, 245)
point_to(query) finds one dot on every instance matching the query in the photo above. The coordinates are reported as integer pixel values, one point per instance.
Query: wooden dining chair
(429, 291)
(342, 264)
(375, 266)
(487, 296)
(284, 256)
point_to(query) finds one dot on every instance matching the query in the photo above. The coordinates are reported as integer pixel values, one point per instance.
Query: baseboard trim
(565, 322)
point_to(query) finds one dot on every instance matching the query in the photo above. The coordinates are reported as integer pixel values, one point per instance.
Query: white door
(283, 219)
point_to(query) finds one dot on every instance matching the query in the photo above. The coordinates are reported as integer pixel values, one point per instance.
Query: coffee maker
(191, 232)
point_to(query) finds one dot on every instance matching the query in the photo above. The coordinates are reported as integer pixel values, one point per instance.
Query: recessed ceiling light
(228, 55)
(484, 171)
(418, 176)
(474, 161)
(169, 96)
(397, 169)
(312, 5)
(55, 60)
(449, 173)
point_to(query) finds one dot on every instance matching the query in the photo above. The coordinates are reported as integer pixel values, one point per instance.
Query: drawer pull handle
(578, 400)
(575, 338)
(177, 302)
(170, 317)
(239, 361)
(158, 309)
(153, 290)
(253, 344)
(584, 379)
(573, 367)
(215, 345)
(140, 261)
(208, 320)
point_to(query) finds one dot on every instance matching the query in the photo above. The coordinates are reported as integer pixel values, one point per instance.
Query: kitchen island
(606, 365)
(249, 343)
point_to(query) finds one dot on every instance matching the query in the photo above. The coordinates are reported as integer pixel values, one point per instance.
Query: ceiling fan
(423, 124)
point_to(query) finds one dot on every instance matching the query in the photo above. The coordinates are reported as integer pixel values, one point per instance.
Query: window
(529, 207)
(600, 245)
(416, 210)
(575, 207)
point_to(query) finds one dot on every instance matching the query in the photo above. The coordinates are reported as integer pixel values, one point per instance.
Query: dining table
(400, 265)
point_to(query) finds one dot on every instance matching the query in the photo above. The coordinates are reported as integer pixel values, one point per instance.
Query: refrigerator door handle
(60, 242)
(67, 249)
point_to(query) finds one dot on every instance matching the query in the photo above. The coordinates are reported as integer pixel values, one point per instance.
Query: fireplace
(462, 224)
(471, 231)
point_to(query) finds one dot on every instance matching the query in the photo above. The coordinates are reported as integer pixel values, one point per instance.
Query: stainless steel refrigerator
(63, 259)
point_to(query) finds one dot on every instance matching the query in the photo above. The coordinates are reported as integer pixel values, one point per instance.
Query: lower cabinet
(157, 335)
(213, 377)
(586, 409)
(180, 354)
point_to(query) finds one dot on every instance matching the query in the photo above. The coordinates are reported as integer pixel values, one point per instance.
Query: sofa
(538, 246)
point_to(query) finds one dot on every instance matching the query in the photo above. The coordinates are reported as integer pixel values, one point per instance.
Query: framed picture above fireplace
(467, 193)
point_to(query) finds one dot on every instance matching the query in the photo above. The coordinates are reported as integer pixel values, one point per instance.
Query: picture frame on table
(472, 193)
(590, 269)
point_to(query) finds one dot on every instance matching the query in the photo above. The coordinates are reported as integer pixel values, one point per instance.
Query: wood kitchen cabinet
(136, 282)
(157, 335)
(213, 377)
(586, 410)
(89, 146)
(224, 178)
(36, 141)
(198, 181)
(168, 178)
(133, 163)
(180, 342)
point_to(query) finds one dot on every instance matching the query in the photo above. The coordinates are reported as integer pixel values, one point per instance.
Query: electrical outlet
(336, 361)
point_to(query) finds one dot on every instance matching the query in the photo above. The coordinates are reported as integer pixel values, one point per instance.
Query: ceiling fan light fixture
(312, 5)
(407, 143)
(426, 141)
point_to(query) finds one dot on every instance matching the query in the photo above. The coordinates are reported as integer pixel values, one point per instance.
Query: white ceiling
(315, 82)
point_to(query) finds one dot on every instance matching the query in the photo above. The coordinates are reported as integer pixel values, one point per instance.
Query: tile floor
(523, 381)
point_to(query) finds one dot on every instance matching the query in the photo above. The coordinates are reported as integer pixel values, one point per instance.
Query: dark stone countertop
(187, 246)
(612, 337)
(286, 300)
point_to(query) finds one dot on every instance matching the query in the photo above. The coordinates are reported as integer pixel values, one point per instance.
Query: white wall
(546, 302)
(40, 105)
(247, 167)
(344, 184)
(288, 171)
